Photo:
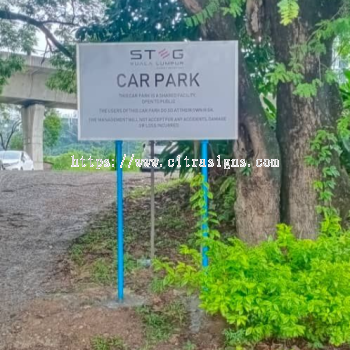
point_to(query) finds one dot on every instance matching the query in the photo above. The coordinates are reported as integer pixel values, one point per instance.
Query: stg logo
(163, 53)
(149, 54)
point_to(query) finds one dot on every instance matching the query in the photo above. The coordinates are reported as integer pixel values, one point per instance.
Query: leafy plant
(225, 189)
(322, 147)
(283, 288)
(52, 128)
(289, 10)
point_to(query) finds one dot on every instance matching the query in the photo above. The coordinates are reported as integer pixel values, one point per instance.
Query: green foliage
(112, 343)
(188, 150)
(308, 90)
(52, 128)
(157, 286)
(270, 112)
(16, 142)
(344, 134)
(160, 325)
(314, 47)
(185, 149)
(284, 288)
(235, 8)
(10, 122)
(225, 190)
(289, 10)
(64, 78)
(64, 161)
(9, 66)
(344, 123)
(323, 148)
(17, 38)
(209, 11)
(134, 20)
(102, 272)
(104, 163)
(189, 346)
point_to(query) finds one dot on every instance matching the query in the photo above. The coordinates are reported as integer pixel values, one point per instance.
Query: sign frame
(163, 134)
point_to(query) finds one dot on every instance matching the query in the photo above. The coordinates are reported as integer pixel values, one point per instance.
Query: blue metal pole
(204, 156)
(120, 222)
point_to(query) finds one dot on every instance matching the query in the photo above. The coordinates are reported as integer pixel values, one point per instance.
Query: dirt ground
(41, 213)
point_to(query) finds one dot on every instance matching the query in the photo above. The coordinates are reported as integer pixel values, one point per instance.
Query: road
(40, 214)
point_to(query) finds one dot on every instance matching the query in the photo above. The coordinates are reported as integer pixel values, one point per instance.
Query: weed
(160, 325)
(157, 286)
(172, 221)
(77, 254)
(176, 311)
(189, 346)
(102, 272)
(102, 343)
(159, 188)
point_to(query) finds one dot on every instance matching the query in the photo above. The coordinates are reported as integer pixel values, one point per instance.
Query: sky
(41, 43)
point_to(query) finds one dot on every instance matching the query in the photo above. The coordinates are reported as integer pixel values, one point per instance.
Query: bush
(282, 289)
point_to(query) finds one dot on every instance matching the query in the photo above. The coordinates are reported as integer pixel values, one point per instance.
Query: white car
(15, 160)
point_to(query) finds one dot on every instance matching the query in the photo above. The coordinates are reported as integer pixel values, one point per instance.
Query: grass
(157, 286)
(161, 325)
(159, 189)
(102, 343)
(189, 346)
(64, 162)
(93, 255)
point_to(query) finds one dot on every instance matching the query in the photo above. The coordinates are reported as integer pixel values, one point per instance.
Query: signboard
(158, 91)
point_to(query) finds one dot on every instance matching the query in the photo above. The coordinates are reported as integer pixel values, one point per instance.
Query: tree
(9, 124)
(52, 128)
(307, 96)
(286, 51)
(16, 142)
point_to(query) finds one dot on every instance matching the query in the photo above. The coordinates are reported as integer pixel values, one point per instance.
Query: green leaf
(289, 10)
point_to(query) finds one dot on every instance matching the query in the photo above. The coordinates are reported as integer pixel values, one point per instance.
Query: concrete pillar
(33, 128)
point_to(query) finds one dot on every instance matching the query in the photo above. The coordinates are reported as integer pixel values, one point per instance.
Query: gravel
(40, 214)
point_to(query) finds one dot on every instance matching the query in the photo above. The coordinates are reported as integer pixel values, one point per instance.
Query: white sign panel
(158, 91)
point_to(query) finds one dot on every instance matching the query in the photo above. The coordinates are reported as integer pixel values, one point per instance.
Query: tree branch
(12, 132)
(192, 6)
(59, 22)
(2, 141)
(40, 25)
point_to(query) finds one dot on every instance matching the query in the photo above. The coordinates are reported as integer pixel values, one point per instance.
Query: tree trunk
(257, 206)
(299, 119)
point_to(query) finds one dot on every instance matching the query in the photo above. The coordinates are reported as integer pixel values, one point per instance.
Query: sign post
(157, 91)
(120, 218)
(205, 228)
(152, 205)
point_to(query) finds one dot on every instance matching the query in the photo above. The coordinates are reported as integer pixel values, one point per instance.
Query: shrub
(283, 288)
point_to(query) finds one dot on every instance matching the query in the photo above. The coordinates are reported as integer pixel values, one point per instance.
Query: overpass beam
(33, 128)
